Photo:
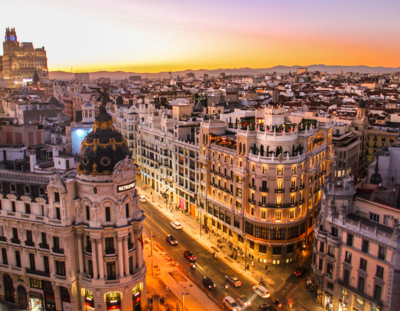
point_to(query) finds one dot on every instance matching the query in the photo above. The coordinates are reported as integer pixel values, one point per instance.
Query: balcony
(57, 250)
(43, 245)
(280, 190)
(252, 186)
(301, 187)
(15, 241)
(30, 243)
(262, 204)
(361, 293)
(37, 272)
(252, 201)
(3, 239)
(294, 189)
(110, 251)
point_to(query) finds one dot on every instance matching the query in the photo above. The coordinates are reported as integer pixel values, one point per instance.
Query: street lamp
(151, 244)
(183, 300)
(245, 254)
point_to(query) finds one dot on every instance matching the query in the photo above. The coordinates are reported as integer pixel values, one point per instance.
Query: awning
(163, 189)
(170, 191)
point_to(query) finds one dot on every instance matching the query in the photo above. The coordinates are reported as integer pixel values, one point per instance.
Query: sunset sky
(155, 35)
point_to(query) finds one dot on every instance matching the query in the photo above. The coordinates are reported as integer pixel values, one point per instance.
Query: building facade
(22, 60)
(74, 241)
(356, 249)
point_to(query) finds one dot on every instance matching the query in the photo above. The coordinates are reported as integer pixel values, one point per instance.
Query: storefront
(35, 301)
(182, 203)
(137, 297)
(192, 210)
(89, 300)
(328, 302)
(113, 301)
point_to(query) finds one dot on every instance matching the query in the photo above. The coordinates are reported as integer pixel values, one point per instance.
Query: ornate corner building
(21, 60)
(74, 241)
(260, 185)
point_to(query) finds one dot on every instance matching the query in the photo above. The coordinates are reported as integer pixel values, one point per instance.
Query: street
(216, 269)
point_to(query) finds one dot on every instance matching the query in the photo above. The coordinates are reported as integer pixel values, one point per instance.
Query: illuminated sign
(126, 187)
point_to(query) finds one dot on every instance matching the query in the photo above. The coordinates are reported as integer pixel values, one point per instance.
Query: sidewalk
(274, 276)
(170, 282)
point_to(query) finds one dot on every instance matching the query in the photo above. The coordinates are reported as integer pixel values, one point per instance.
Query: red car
(189, 255)
(300, 271)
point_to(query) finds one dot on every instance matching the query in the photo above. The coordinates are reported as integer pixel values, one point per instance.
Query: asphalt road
(216, 269)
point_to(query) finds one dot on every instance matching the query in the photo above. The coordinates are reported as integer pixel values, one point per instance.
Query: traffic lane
(216, 269)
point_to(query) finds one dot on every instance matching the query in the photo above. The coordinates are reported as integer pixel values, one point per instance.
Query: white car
(176, 225)
(143, 199)
(231, 304)
(243, 301)
(261, 291)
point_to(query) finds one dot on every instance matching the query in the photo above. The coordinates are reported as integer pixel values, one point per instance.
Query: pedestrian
(182, 211)
(266, 267)
(151, 301)
(209, 236)
(235, 256)
(252, 263)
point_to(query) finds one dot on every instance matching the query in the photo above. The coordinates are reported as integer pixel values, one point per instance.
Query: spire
(376, 178)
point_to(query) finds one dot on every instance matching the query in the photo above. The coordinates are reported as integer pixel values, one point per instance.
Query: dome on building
(102, 148)
(362, 104)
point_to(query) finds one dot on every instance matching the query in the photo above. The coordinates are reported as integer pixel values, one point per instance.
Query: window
(44, 238)
(15, 233)
(109, 245)
(361, 284)
(321, 247)
(347, 257)
(228, 219)
(377, 292)
(56, 242)
(349, 240)
(262, 249)
(111, 271)
(386, 220)
(330, 285)
(18, 259)
(379, 272)
(87, 212)
(382, 253)
(4, 256)
(278, 215)
(13, 206)
(32, 261)
(290, 249)
(365, 246)
(249, 228)
(276, 250)
(320, 264)
(363, 264)
(236, 224)
(239, 192)
(60, 268)
(293, 232)
(90, 267)
(108, 214)
(46, 264)
(58, 214)
(334, 232)
(27, 208)
(331, 251)
(329, 269)
(278, 234)
(29, 236)
(374, 217)
(346, 276)
(261, 232)
(56, 197)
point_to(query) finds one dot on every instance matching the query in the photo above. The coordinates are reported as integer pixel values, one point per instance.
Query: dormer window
(13, 188)
(27, 190)
(42, 191)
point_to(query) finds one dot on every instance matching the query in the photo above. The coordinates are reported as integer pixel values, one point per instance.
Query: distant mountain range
(114, 75)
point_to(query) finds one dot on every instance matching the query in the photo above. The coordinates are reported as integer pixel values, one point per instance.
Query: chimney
(32, 160)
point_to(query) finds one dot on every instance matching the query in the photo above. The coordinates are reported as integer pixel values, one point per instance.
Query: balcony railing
(252, 186)
(280, 190)
(110, 250)
(264, 189)
(360, 293)
(30, 243)
(57, 250)
(37, 272)
(111, 276)
(3, 239)
(15, 241)
(252, 201)
(293, 189)
(43, 245)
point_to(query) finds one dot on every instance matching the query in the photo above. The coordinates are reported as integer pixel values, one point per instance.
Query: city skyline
(157, 36)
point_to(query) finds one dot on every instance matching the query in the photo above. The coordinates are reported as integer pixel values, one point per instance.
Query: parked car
(243, 301)
(300, 271)
(143, 199)
(233, 280)
(189, 255)
(176, 225)
(231, 304)
(208, 283)
(261, 291)
(267, 307)
(171, 240)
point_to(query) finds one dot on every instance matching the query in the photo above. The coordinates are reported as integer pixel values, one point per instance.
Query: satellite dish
(15, 121)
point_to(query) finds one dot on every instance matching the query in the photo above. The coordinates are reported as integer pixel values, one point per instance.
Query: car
(171, 240)
(231, 304)
(243, 301)
(189, 255)
(143, 199)
(233, 280)
(208, 283)
(176, 225)
(267, 307)
(300, 271)
(261, 291)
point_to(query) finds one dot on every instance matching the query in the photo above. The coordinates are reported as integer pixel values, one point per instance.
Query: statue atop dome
(104, 97)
